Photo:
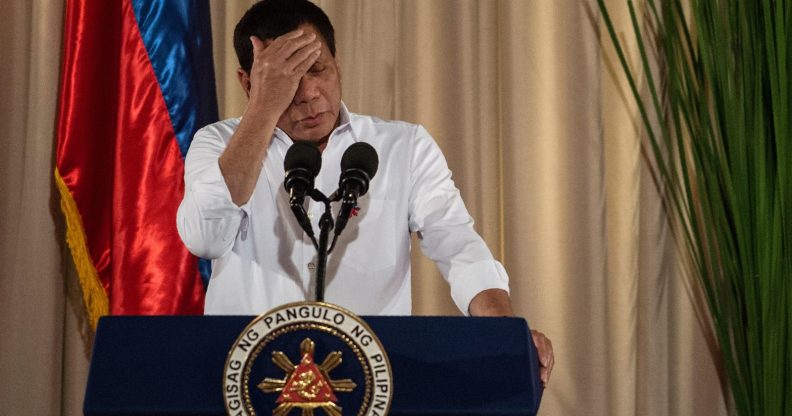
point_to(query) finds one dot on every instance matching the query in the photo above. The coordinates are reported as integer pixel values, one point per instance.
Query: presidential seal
(307, 358)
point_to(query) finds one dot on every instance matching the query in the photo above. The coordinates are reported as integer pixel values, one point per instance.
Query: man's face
(313, 113)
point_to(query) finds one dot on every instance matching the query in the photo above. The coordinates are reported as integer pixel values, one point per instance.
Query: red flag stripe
(119, 159)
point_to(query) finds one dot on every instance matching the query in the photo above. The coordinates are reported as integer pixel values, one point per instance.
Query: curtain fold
(34, 338)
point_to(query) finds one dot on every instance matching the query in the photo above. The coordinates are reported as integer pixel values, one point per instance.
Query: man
(236, 211)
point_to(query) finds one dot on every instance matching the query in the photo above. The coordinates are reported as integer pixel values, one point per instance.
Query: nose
(307, 91)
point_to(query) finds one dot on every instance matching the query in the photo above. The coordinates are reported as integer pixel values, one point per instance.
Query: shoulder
(222, 130)
(399, 144)
(388, 132)
(371, 126)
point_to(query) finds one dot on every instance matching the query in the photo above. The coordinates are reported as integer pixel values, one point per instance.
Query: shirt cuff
(216, 201)
(474, 279)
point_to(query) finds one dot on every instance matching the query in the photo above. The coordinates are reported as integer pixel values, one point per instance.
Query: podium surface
(173, 365)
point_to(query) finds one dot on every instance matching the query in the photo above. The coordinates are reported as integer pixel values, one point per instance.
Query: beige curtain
(43, 359)
(526, 100)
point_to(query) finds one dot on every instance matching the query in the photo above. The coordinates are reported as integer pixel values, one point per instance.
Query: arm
(479, 284)
(273, 80)
(221, 171)
(445, 229)
(491, 302)
(208, 220)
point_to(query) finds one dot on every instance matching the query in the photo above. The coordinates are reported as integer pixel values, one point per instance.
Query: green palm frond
(723, 153)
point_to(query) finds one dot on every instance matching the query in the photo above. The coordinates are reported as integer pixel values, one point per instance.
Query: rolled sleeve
(208, 221)
(445, 227)
(475, 278)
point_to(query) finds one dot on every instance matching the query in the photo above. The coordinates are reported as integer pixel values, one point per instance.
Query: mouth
(311, 121)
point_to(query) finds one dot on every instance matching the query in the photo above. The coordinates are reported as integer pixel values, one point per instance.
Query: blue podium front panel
(173, 365)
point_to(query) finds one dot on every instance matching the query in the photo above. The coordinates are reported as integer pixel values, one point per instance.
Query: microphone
(302, 163)
(358, 166)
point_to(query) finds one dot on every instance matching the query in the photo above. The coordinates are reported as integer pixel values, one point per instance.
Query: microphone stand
(325, 226)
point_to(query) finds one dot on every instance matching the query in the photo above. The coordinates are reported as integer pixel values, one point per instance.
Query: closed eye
(317, 68)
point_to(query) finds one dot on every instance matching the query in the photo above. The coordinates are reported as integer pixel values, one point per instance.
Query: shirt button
(311, 266)
(310, 215)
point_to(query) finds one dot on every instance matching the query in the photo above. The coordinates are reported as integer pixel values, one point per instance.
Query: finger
(546, 357)
(275, 44)
(301, 69)
(543, 347)
(294, 34)
(258, 44)
(302, 60)
(278, 42)
(550, 361)
(293, 45)
(544, 376)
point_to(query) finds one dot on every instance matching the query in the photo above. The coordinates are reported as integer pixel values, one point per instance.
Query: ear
(244, 80)
(337, 60)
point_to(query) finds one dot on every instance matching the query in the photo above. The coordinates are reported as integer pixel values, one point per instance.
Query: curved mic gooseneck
(302, 163)
(358, 166)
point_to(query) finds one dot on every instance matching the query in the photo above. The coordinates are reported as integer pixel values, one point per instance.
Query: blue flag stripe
(178, 39)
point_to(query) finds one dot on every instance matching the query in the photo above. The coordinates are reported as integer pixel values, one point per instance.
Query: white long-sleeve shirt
(262, 258)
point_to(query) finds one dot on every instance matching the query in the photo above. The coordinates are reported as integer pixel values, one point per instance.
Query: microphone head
(360, 156)
(303, 155)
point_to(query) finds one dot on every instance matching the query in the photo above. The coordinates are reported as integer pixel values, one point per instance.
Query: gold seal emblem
(277, 356)
(306, 386)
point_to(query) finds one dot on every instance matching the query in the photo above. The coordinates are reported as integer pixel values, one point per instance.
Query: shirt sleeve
(445, 227)
(208, 220)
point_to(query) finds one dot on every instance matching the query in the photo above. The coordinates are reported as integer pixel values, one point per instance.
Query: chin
(314, 134)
